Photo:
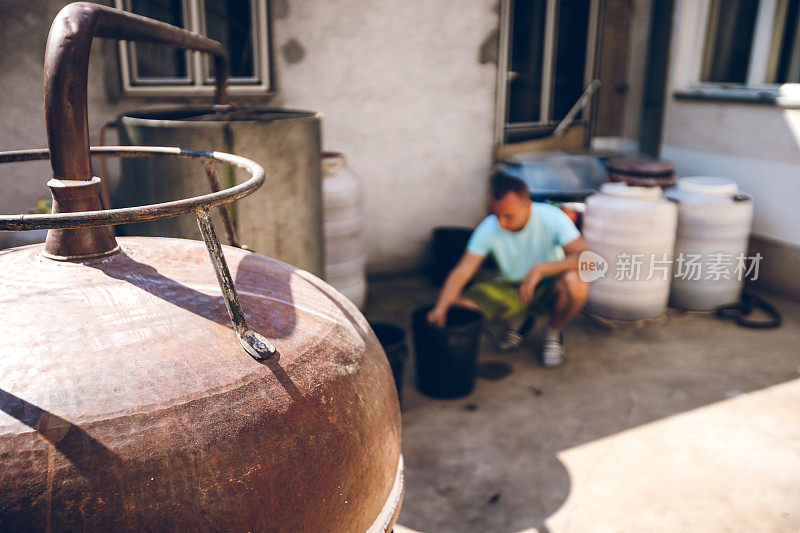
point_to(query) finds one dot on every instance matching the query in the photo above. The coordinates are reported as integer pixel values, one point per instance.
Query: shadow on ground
(488, 462)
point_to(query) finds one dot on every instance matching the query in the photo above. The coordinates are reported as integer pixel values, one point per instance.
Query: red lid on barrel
(641, 167)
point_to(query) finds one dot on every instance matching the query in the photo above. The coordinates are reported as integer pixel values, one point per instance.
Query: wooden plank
(573, 139)
(613, 93)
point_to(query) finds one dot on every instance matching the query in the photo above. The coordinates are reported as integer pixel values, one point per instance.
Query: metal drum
(151, 384)
(284, 222)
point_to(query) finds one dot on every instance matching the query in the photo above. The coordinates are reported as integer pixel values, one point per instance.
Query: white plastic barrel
(633, 230)
(343, 228)
(713, 228)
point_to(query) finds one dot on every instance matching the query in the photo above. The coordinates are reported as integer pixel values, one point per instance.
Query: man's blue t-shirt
(548, 228)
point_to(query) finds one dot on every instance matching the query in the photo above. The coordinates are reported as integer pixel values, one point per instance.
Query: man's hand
(467, 266)
(438, 316)
(528, 285)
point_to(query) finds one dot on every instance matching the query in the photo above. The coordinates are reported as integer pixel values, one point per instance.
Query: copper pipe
(66, 70)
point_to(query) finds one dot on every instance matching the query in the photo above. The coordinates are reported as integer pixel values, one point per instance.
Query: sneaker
(512, 338)
(553, 352)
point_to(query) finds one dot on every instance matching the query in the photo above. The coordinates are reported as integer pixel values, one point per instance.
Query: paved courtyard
(688, 424)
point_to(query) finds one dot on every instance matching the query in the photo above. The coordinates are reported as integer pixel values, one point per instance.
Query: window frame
(199, 81)
(545, 123)
(692, 24)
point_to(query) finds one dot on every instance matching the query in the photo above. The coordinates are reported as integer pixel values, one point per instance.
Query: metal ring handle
(66, 71)
(126, 215)
(255, 344)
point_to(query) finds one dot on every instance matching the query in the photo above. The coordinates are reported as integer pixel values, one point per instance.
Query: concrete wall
(406, 96)
(22, 43)
(406, 89)
(25, 26)
(757, 145)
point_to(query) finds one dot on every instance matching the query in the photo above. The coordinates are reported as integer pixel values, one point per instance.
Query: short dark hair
(503, 183)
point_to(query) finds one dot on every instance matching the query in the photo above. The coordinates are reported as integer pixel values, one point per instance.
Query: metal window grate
(157, 70)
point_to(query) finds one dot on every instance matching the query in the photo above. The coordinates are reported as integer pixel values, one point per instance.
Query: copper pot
(151, 384)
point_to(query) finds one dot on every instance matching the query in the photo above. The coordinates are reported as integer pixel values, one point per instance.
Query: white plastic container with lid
(714, 221)
(343, 228)
(633, 230)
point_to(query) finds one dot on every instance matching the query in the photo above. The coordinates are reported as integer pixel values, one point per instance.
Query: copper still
(160, 384)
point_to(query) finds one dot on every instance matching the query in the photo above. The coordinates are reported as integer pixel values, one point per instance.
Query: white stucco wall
(22, 44)
(756, 145)
(406, 98)
(406, 91)
(25, 26)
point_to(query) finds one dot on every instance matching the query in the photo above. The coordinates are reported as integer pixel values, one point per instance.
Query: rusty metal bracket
(213, 182)
(255, 344)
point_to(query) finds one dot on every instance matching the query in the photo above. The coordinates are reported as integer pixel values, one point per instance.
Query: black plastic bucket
(447, 247)
(446, 357)
(393, 340)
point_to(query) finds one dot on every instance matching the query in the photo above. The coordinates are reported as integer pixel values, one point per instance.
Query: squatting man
(536, 247)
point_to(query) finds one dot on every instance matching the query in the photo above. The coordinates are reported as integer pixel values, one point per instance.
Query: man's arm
(466, 268)
(572, 251)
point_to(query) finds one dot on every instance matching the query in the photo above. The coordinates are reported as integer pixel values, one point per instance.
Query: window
(240, 25)
(546, 60)
(783, 65)
(749, 47)
(729, 41)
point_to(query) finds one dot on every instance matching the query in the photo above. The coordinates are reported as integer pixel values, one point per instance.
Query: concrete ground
(688, 424)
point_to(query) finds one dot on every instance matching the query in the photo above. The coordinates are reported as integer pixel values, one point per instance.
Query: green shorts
(498, 299)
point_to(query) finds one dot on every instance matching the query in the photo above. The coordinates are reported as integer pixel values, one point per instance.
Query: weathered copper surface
(70, 196)
(81, 204)
(126, 402)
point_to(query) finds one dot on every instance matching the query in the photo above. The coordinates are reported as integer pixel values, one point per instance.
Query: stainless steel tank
(284, 223)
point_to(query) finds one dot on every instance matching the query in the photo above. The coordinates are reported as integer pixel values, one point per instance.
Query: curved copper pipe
(66, 70)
